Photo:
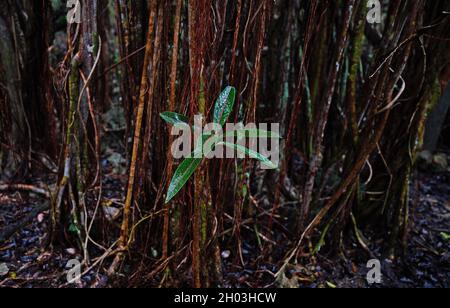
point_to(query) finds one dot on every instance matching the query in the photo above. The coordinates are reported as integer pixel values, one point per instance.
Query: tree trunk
(436, 121)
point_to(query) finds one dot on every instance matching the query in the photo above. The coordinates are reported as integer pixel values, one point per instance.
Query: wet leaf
(188, 167)
(175, 119)
(181, 176)
(250, 153)
(224, 105)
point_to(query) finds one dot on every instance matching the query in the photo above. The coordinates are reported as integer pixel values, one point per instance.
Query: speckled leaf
(188, 167)
(181, 176)
(250, 153)
(224, 105)
(175, 119)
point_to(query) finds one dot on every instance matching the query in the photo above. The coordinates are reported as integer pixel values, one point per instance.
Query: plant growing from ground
(222, 110)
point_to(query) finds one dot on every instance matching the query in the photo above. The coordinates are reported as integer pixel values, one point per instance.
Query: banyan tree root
(9, 231)
(25, 187)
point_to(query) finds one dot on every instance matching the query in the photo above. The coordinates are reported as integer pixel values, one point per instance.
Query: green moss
(96, 40)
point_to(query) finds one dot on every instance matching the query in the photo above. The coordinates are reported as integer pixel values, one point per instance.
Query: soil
(426, 261)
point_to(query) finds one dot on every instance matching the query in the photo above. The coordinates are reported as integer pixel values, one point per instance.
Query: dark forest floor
(23, 263)
(426, 261)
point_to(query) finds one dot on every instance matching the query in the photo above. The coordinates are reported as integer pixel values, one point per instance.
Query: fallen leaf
(71, 251)
(111, 213)
(40, 218)
(4, 270)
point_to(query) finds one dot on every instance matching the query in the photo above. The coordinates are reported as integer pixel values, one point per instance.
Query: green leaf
(252, 133)
(175, 119)
(181, 176)
(321, 242)
(201, 142)
(445, 236)
(73, 228)
(224, 105)
(250, 153)
(188, 167)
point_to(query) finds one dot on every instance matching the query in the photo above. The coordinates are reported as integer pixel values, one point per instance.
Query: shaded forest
(360, 92)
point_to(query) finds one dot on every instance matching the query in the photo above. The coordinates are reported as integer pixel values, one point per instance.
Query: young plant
(222, 110)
